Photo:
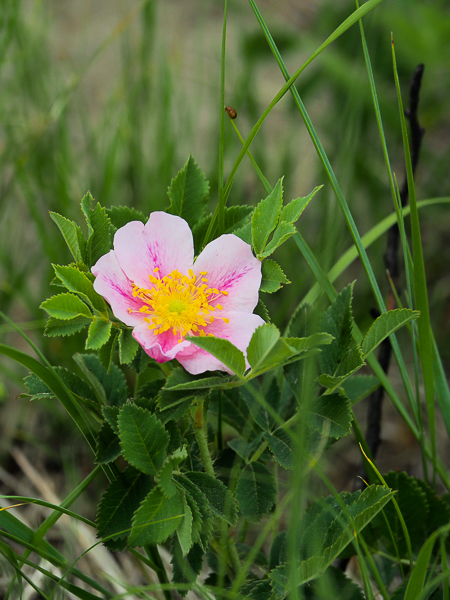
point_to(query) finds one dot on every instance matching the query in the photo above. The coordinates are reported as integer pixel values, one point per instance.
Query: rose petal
(238, 331)
(164, 242)
(162, 346)
(231, 267)
(112, 283)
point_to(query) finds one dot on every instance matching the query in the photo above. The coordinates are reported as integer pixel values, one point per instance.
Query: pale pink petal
(164, 242)
(112, 283)
(238, 331)
(162, 346)
(231, 267)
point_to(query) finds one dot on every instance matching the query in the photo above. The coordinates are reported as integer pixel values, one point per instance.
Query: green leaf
(282, 233)
(77, 282)
(121, 215)
(112, 383)
(111, 414)
(333, 584)
(273, 277)
(106, 352)
(331, 415)
(65, 307)
(292, 211)
(119, 502)
(188, 193)
(220, 499)
(351, 362)
(223, 350)
(127, 346)
(108, 447)
(202, 525)
(156, 518)
(245, 233)
(186, 568)
(261, 310)
(257, 590)
(73, 382)
(181, 385)
(337, 321)
(98, 334)
(99, 228)
(56, 327)
(359, 387)
(264, 339)
(184, 532)
(244, 448)
(386, 324)
(256, 491)
(329, 526)
(72, 235)
(280, 444)
(265, 217)
(165, 480)
(257, 406)
(143, 438)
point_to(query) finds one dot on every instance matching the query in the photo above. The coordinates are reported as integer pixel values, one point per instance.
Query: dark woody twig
(392, 263)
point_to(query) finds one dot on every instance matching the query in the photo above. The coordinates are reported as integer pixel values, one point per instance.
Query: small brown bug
(230, 112)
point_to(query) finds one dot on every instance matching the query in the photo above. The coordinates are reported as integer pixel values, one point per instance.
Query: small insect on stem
(231, 112)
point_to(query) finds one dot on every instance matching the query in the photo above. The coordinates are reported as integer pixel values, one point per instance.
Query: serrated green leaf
(99, 227)
(292, 211)
(72, 235)
(220, 499)
(127, 346)
(244, 233)
(98, 334)
(265, 217)
(188, 193)
(111, 414)
(257, 406)
(261, 310)
(111, 385)
(273, 277)
(282, 233)
(186, 568)
(143, 438)
(262, 343)
(333, 584)
(202, 525)
(244, 448)
(106, 352)
(331, 415)
(55, 327)
(156, 518)
(351, 362)
(280, 444)
(223, 350)
(337, 321)
(165, 480)
(77, 282)
(65, 307)
(119, 502)
(386, 324)
(256, 491)
(121, 215)
(108, 447)
(257, 590)
(181, 385)
(329, 526)
(184, 531)
(358, 387)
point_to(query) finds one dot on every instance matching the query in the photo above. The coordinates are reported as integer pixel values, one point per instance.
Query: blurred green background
(112, 96)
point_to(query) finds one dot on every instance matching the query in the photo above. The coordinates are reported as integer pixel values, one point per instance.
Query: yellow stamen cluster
(180, 303)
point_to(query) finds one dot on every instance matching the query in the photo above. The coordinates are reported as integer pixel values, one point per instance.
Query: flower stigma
(180, 303)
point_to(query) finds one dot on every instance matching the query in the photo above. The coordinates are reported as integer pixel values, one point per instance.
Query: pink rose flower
(152, 283)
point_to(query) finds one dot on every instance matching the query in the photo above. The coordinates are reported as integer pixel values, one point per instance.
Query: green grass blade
(420, 284)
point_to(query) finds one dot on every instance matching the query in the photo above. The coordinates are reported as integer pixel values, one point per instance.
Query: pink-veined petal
(238, 331)
(164, 242)
(112, 283)
(162, 346)
(231, 267)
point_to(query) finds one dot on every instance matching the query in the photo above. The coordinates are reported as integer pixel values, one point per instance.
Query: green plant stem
(201, 436)
(158, 567)
(221, 203)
